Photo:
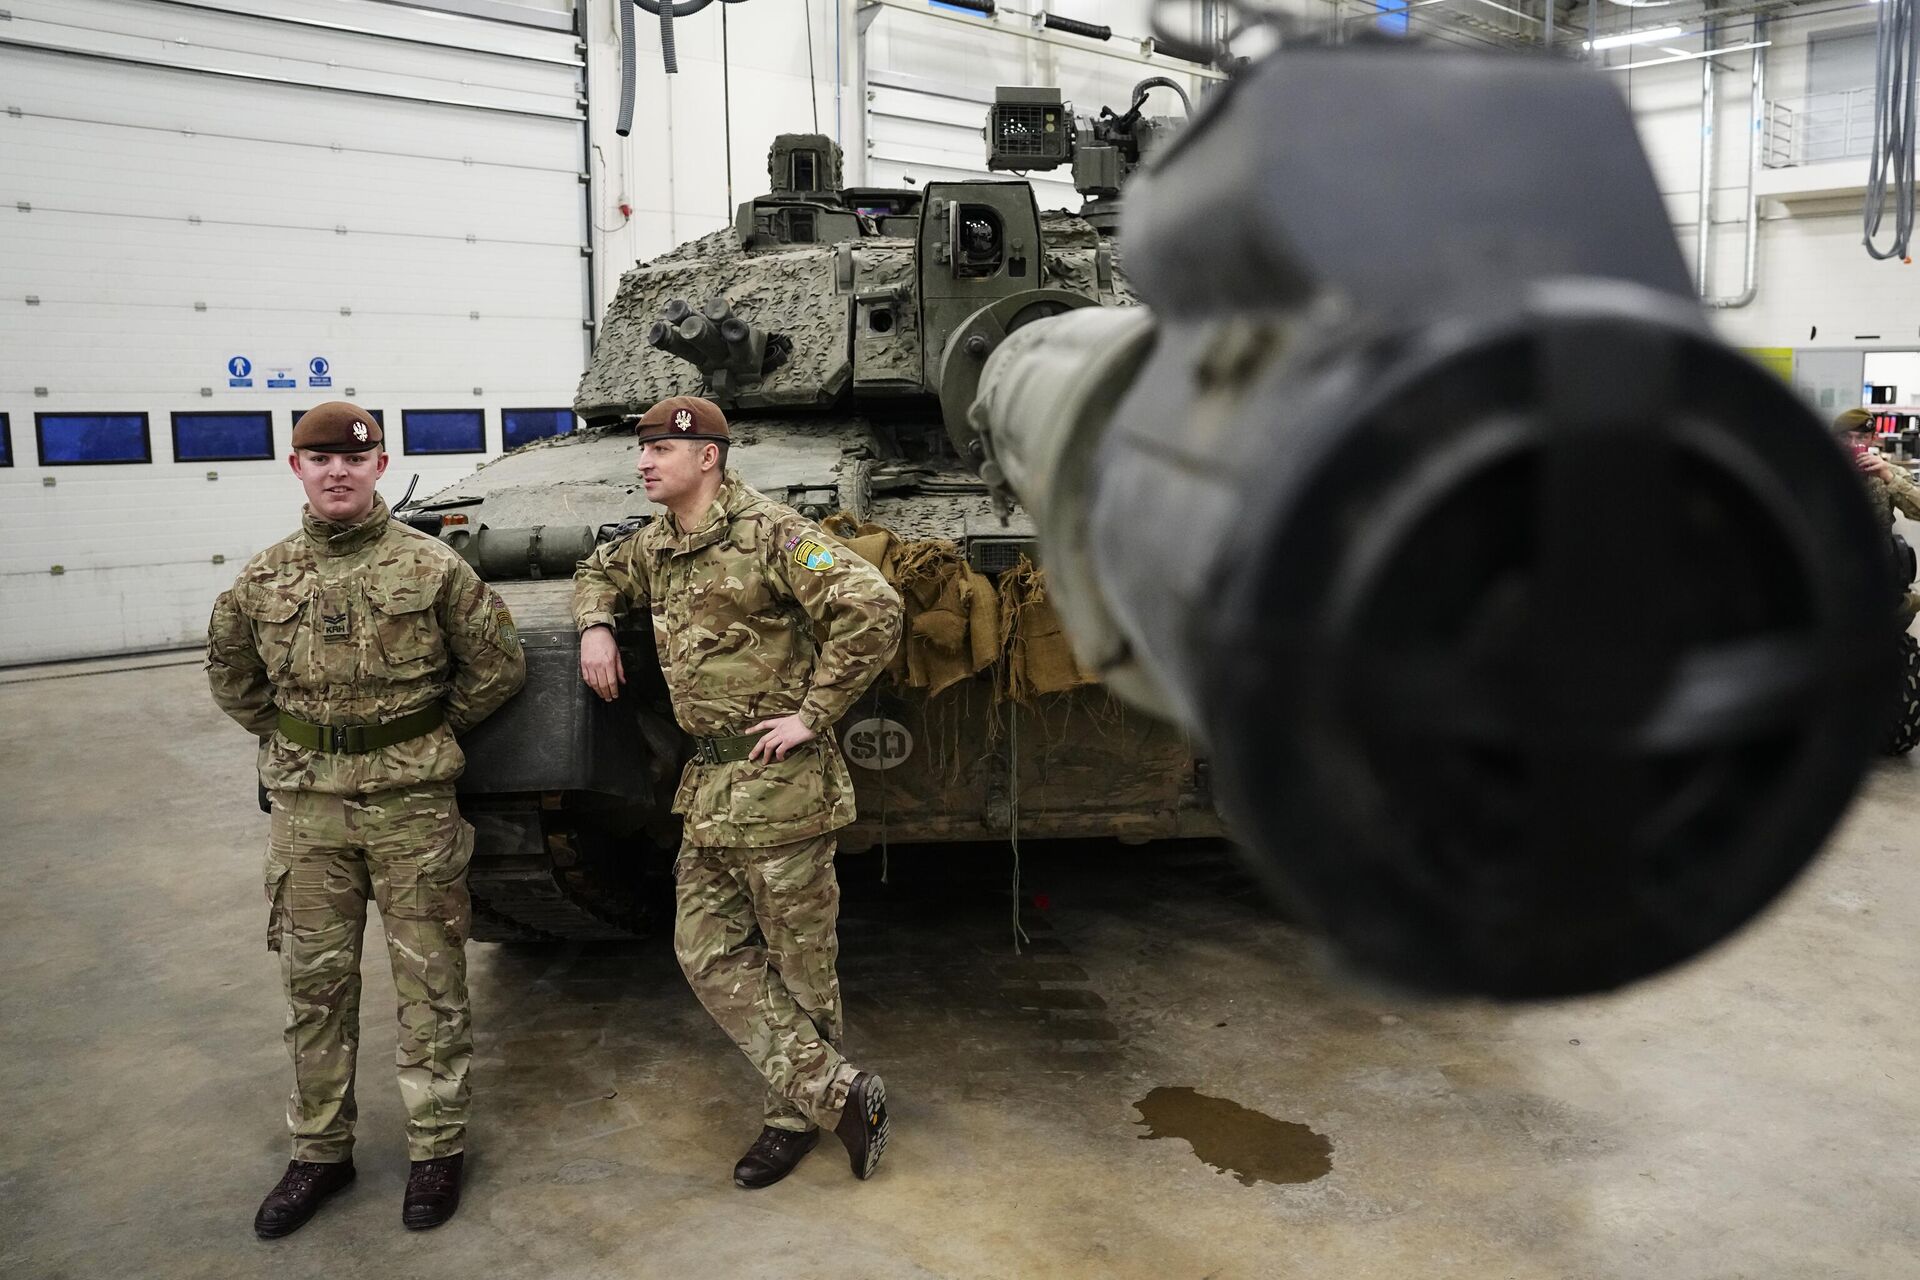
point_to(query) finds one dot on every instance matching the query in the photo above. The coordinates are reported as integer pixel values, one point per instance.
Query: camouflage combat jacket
(756, 614)
(359, 625)
(1894, 493)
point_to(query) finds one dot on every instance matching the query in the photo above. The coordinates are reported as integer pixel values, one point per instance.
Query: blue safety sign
(238, 370)
(319, 372)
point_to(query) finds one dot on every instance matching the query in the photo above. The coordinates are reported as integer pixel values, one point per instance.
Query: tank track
(516, 901)
(1906, 732)
(523, 895)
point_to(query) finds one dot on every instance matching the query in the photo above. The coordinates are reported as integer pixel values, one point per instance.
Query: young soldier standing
(767, 632)
(355, 649)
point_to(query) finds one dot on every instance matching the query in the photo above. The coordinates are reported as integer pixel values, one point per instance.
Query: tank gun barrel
(1538, 638)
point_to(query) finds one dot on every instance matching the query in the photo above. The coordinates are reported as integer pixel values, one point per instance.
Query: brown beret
(337, 427)
(683, 417)
(1853, 420)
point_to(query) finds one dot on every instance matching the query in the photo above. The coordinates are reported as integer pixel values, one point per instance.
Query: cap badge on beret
(360, 432)
(683, 419)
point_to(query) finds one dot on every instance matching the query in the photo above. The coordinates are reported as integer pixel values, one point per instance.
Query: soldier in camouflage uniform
(356, 649)
(767, 631)
(1888, 487)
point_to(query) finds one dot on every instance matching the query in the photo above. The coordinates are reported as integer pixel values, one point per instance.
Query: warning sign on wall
(244, 373)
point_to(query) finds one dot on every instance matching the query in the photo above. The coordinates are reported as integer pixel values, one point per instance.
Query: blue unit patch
(811, 555)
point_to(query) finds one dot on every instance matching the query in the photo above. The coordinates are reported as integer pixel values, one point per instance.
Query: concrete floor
(1753, 1116)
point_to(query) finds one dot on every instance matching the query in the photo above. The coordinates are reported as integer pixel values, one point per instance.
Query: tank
(1419, 534)
(843, 332)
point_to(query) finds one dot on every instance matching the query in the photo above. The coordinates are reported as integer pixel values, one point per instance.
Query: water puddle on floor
(1250, 1145)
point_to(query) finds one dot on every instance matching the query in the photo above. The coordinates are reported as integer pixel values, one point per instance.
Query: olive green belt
(354, 738)
(724, 750)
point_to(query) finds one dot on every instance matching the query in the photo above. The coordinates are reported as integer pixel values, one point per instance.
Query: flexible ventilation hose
(624, 124)
(667, 54)
(1892, 171)
(668, 10)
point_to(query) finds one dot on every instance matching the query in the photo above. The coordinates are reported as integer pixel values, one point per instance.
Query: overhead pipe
(1703, 233)
(1756, 137)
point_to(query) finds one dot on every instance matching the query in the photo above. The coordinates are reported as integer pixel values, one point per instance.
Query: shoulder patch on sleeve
(503, 619)
(811, 554)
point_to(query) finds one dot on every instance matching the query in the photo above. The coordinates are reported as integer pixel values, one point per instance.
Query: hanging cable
(1896, 60)
(813, 89)
(1013, 817)
(1151, 83)
(726, 106)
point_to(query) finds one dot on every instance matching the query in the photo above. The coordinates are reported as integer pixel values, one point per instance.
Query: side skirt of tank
(968, 766)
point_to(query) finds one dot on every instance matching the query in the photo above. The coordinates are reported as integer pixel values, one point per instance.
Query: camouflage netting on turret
(960, 622)
(789, 292)
(710, 247)
(1072, 259)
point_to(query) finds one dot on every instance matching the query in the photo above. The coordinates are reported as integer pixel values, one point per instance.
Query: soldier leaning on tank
(356, 649)
(1888, 486)
(767, 632)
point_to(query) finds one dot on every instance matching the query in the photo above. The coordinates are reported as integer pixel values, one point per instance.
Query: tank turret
(841, 291)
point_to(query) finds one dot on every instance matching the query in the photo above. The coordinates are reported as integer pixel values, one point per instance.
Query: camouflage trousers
(408, 849)
(754, 931)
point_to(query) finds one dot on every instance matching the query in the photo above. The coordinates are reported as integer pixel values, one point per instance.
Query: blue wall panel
(222, 436)
(444, 430)
(80, 439)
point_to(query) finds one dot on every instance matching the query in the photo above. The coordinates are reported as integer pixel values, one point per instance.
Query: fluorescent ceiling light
(1649, 36)
(1689, 57)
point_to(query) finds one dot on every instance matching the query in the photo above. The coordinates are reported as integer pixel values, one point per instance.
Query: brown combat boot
(433, 1192)
(773, 1155)
(863, 1125)
(302, 1189)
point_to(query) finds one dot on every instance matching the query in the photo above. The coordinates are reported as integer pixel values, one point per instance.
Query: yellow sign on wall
(1777, 359)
